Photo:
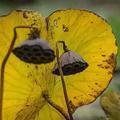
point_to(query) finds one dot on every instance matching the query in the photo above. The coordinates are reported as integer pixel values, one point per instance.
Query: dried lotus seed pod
(36, 51)
(71, 63)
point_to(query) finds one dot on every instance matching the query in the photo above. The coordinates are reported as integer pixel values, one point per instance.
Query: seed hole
(67, 68)
(76, 65)
(29, 54)
(48, 53)
(36, 49)
(19, 52)
(34, 58)
(38, 54)
(25, 48)
(24, 58)
(42, 58)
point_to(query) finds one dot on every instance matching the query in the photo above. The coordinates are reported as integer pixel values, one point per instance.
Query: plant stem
(3, 67)
(57, 107)
(63, 84)
(2, 72)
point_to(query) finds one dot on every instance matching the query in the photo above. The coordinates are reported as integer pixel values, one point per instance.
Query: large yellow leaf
(24, 83)
(90, 36)
(85, 33)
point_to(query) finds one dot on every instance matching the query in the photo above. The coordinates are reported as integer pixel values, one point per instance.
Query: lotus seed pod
(71, 63)
(36, 51)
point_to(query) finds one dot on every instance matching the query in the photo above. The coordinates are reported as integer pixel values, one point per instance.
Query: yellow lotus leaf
(85, 33)
(90, 36)
(24, 83)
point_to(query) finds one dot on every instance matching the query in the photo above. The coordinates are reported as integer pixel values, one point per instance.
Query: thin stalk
(57, 107)
(3, 67)
(63, 84)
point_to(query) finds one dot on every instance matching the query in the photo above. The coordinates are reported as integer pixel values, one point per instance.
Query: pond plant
(51, 66)
(110, 103)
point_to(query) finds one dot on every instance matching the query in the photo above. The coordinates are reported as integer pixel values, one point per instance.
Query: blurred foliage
(110, 103)
(18, 1)
(105, 1)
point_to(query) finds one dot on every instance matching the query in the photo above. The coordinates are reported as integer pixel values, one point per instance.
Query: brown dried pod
(71, 63)
(36, 51)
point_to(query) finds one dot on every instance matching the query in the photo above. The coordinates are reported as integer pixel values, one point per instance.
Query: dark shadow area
(18, 1)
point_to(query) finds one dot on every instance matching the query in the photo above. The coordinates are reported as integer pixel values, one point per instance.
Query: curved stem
(57, 107)
(3, 67)
(65, 48)
(63, 84)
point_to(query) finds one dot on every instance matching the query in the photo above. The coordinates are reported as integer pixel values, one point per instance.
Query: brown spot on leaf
(110, 61)
(72, 106)
(109, 72)
(90, 94)
(96, 83)
(101, 66)
(25, 15)
(36, 67)
(75, 97)
(19, 10)
(103, 55)
(29, 75)
(59, 18)
(81, 103)
(55, 23)
(65, 29)
(107, 67)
